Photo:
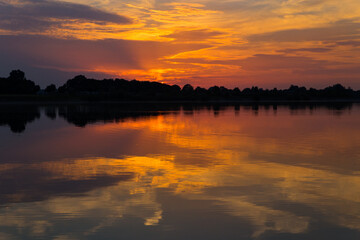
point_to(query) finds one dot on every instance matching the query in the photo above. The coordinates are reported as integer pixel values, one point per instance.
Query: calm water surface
(179, 172)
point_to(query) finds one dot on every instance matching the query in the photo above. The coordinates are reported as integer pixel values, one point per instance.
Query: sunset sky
(268, 43)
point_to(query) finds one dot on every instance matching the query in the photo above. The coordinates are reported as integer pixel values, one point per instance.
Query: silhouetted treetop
(187, 88)
(17, 75)
(51, 88)
(16, 83)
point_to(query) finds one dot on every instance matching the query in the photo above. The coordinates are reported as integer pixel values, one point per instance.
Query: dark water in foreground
(179, 172)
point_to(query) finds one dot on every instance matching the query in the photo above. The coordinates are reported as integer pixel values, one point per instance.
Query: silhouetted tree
(187, 88)
(17, 75)
(236, 92)
(214, 91)
(51, 88)
(16, 83)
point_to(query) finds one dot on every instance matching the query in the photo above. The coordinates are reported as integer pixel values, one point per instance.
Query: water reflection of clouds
(320, 189)
(104, 206)
(279, 173)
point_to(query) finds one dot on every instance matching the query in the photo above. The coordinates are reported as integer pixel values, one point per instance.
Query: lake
(172, 171)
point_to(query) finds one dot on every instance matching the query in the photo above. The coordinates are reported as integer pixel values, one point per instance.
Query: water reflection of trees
(81, 115)
(18, 116)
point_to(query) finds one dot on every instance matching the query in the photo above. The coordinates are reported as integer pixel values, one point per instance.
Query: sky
(231, 43)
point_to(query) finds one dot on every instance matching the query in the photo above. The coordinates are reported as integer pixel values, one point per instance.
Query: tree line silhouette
(83, 88)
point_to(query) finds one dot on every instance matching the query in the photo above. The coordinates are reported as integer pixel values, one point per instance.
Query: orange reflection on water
(244, 162)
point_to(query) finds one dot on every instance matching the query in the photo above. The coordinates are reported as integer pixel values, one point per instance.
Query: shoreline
(171, 102)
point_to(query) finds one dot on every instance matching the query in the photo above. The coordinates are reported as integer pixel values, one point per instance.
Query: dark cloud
(26, 184)
(302, 70)
(261, 62)
(194, 35)
(340, 30)
(311, 3)
(347, 71)
(279, 68)
(33, 53)
(313, 50)
(349, 43)
(263, 7)
(241, 6)
(271, 62)
(37, 15)
(271, 70)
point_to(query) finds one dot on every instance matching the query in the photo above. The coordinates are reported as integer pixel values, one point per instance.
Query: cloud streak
(340, 30)
(194, 35)
(39, 15)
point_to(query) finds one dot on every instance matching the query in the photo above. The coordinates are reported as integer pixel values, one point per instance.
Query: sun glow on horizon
(203, 42)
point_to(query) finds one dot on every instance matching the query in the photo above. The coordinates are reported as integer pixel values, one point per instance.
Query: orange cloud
(234, 35)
